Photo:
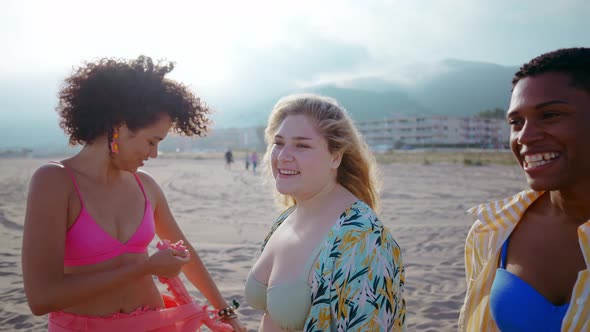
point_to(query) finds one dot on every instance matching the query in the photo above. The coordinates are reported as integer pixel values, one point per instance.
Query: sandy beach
(227, 213)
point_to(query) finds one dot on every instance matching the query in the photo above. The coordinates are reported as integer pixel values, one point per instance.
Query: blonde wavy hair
(357, 171)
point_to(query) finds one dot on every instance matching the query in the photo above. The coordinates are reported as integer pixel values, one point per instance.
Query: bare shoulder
(151, 186)
(48, 197)
(147, 180)
(51, 177)
(51, 169)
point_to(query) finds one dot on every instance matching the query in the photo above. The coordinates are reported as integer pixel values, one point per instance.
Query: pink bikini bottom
(181, 313)
(183, 318)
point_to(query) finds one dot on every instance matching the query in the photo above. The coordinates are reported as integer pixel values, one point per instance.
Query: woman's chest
(288, 255)
(550, 260)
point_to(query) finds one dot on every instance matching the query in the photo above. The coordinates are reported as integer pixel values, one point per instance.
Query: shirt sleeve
(368, 282)
(473, 261)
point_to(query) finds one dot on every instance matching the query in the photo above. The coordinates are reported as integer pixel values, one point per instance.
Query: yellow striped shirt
(495, 221)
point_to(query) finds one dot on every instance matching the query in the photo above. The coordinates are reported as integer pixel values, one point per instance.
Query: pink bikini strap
(73, 180)
(140, 185)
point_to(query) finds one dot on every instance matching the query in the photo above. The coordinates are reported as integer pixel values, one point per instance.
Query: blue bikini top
(517, 307)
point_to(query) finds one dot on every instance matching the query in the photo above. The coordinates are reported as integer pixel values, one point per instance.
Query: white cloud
(230, 44)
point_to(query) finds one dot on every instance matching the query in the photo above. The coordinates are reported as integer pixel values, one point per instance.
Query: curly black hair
(574, 62)
(103, 94)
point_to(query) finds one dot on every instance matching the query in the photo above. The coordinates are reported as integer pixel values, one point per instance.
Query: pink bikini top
(87, 243)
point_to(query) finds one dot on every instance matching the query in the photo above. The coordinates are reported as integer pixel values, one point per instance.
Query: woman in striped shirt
(527, 256)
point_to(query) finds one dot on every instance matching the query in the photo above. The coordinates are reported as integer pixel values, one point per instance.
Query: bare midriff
(135, 294)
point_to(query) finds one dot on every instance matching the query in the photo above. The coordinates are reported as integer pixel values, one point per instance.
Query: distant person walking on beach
(328, 263)
(229, 158)
(254, 159)
(91, 217)
(247, 160)
(527, 257)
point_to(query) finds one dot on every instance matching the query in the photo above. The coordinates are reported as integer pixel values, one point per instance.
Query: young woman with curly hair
(90, 217)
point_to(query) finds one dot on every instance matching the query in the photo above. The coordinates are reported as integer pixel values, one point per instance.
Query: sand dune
(226, 214)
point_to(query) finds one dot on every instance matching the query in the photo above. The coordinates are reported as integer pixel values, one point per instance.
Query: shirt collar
(506, 213)
(503, 216)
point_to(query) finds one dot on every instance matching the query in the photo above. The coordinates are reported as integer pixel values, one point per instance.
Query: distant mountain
(28, 118)
(367, 105)
(373, 84)
(362, 105)
(459, 88)
(466, 88)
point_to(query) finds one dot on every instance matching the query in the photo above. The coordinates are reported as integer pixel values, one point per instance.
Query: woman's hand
(167, 263)
(236, 325)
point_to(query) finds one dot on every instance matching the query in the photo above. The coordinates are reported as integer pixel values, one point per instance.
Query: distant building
(434, 131)
(16, 153)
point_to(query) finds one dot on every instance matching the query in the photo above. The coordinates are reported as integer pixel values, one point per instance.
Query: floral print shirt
(358, 278)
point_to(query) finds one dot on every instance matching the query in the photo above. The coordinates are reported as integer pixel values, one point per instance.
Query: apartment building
(435, 131)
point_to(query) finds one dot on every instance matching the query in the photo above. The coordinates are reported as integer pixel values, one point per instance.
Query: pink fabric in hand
(175, 285)
(182, 297)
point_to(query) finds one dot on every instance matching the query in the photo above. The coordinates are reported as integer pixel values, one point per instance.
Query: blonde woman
(328, 263)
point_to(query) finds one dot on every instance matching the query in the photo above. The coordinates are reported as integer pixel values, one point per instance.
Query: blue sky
(240, 49)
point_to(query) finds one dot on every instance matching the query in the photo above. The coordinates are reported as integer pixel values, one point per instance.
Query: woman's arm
(167, 228)
(195, 270)
(47, 287)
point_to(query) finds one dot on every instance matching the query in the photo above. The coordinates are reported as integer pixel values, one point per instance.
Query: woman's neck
(95, 161)
(332, 197)
(574, 204)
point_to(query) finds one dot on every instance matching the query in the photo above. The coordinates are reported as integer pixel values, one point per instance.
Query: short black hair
(108, 92)
(574, 62)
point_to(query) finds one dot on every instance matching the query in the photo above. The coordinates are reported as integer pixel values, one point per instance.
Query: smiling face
(550, 131)
(301, 163)
(137, 146)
